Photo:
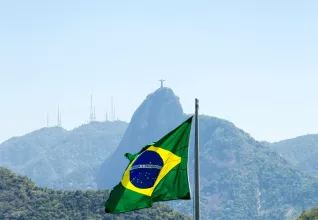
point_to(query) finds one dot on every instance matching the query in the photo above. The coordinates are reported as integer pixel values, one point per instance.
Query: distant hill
(21, 199)
(301, 152)
(56, 158)
(241, 178)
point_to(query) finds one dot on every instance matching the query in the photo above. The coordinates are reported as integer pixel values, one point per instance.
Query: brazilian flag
(157, 173)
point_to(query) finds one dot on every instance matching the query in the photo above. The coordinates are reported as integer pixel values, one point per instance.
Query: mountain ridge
(300, 151)
(241, 178)
(54, 157)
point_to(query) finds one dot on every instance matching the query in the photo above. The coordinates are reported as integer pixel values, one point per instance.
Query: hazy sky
(251, 62)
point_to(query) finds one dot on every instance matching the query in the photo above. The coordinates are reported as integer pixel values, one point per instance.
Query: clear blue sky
(251, 62)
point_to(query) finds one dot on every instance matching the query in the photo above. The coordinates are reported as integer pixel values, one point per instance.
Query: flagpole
(196, 164)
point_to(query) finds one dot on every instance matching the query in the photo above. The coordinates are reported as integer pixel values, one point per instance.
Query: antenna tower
(91, 114)
(94, 115)
(114, 113)
(59, 122)
(112, 109)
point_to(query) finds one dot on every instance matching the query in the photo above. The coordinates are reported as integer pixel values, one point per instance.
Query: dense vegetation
(301, 152)
(21, 199)
(311, 214)
(56, 158)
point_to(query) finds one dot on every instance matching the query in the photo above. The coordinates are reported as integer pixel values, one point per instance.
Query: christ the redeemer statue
(162, 80)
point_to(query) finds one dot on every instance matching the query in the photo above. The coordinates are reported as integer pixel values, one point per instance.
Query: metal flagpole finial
(196, 103)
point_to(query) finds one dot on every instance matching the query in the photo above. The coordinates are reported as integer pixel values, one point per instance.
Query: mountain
(61, 159)
(301, 152)
(241, 178)
(160, 112)
(21, 199)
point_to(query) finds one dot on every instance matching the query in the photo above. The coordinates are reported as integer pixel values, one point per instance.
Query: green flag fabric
(157, 173)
